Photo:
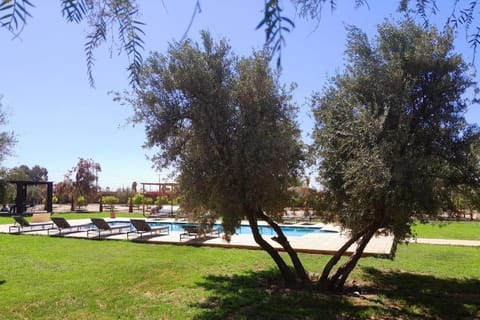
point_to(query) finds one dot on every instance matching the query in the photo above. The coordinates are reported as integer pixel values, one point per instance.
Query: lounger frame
(63, 226)
(142, 227)
(102, 225)
(21, 223)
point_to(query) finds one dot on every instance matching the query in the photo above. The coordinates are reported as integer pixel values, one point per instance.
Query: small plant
(148, 201)
(177, 200)
(81, 201)
(111, 201)
(158, 201)
(164, 200)
(137, 200)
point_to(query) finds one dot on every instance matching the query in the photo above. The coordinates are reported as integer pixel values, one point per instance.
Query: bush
(164, 200)
(148, 201)
(137, 199)
(81, 201)
(110, 200)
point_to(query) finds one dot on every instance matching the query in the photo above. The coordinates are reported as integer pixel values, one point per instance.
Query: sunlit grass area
(84, 215)
(51, 278)
(461, 230)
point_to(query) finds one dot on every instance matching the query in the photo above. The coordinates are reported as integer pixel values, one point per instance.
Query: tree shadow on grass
(425, 296)
(260, 295)
(390, 295)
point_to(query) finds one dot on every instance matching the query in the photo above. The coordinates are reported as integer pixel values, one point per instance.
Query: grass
(86, 215)
(461, 230)
(52, 278)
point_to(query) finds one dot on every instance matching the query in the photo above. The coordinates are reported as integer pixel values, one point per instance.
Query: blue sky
(58, 118)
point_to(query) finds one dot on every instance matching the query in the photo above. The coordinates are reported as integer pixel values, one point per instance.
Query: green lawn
(75, 215)
(59, 278)
(461, 230)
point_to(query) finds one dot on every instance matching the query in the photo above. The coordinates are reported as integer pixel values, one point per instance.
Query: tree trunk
(337, 281)
(72, 207)
(283, 241)
(323, 283)
(287, 274)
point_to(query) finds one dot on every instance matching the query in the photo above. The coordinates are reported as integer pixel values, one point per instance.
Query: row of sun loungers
(60, 226)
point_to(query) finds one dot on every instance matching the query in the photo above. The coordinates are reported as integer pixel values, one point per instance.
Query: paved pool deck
(314, 243)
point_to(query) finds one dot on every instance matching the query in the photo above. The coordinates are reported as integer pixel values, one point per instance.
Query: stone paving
(316, 243)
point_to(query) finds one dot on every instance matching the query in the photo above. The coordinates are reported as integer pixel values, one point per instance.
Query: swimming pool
(290, 231)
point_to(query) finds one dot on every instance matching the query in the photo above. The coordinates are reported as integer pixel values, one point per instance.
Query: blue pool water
(290, 231)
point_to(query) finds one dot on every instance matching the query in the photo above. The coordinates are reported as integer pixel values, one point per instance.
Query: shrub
(110, 200)
(81, 201)
(137, 199)
(164, 200)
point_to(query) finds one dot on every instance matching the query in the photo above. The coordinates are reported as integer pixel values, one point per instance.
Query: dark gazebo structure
(21, 199)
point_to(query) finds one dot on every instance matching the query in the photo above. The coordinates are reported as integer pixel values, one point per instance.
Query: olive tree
(391, 134)
(228, 127)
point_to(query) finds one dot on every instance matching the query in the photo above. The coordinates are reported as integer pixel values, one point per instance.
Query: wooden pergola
(21, 198)
(169, 189)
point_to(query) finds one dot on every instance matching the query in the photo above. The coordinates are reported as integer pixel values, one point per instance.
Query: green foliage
(109, 200)
(275, 25)
(148, 201)
(24, 172)
(460, 14)
(81, 201)
(163, 200)
(177, 200)
(105, 16)
(35, 194)
(225, 123)
(101, 16)
(391, 131)
(14, 14)
(138, 199)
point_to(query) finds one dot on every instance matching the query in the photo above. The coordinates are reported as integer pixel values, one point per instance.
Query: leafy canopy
(390, 129)
(224, 122)
(103, 17)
